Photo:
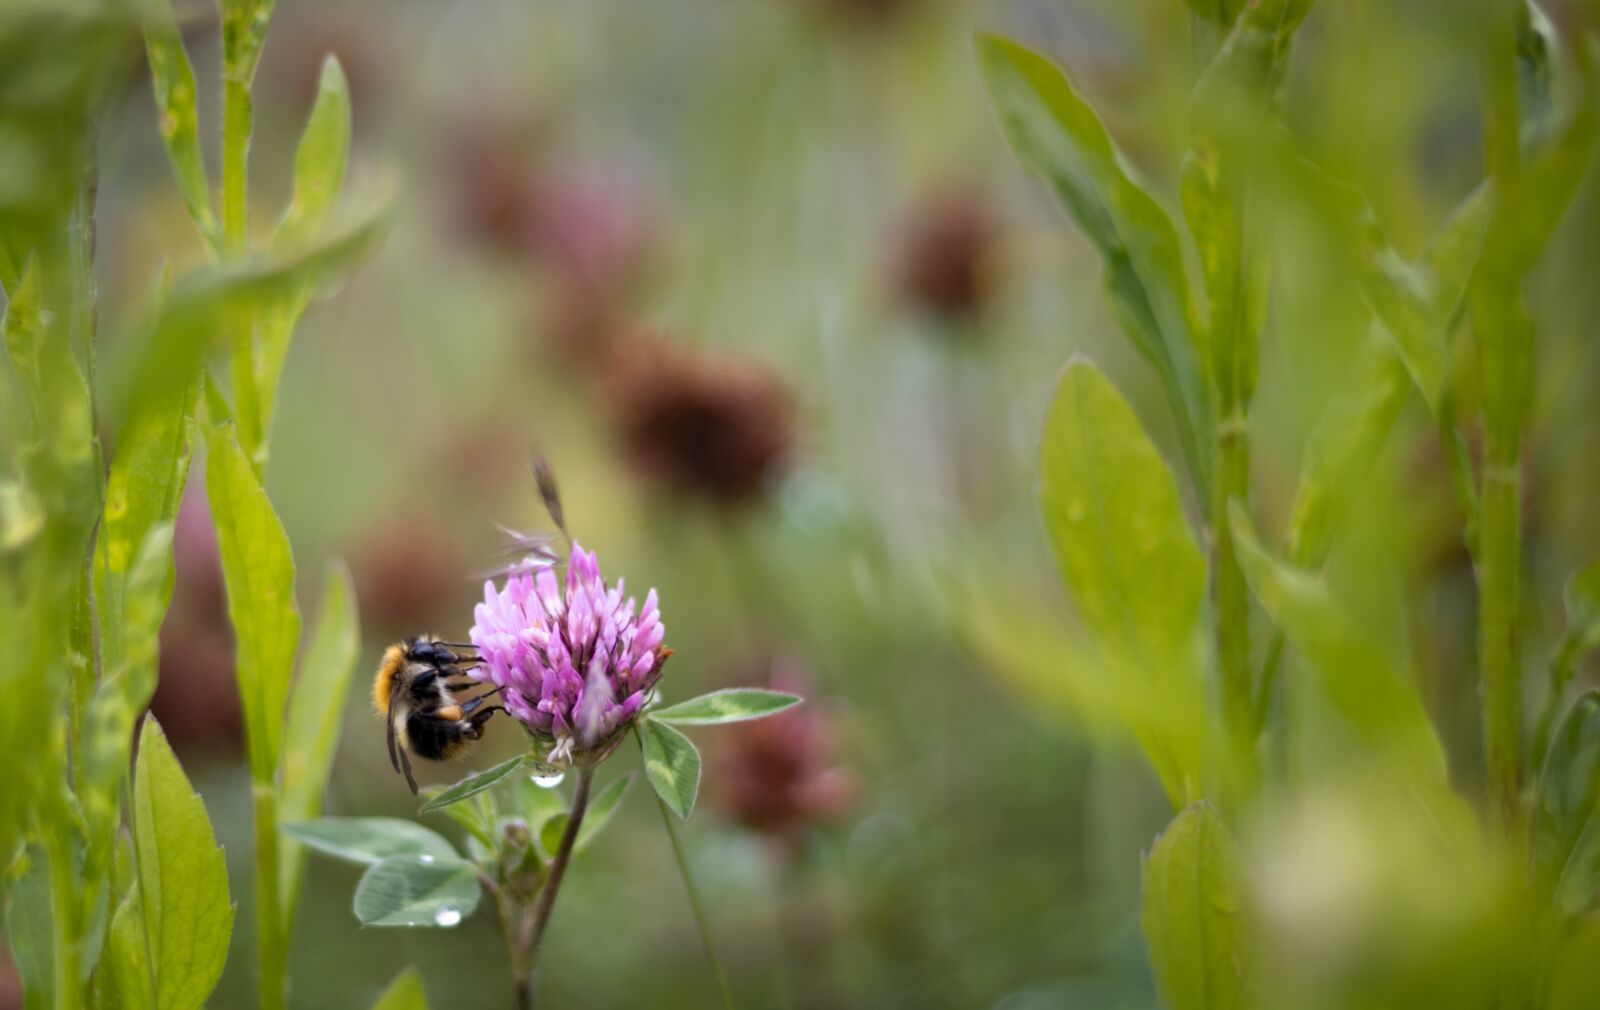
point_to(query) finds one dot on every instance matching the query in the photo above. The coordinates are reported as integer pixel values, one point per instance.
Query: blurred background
(762, 281)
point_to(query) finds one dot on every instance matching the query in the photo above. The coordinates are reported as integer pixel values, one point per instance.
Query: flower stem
(694, 904)
(271, 959)
(533, 935)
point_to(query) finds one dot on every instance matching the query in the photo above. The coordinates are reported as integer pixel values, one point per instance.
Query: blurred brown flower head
(409, 576)
(943, 262)
(197, 699)
(491, 188)
(777, 776)
(717, 429)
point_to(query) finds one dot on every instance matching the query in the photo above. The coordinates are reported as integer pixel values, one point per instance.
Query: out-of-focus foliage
(777, 289)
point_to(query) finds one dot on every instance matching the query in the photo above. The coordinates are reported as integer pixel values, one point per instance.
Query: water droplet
(424, 858)
(447, 916)
(548, 781)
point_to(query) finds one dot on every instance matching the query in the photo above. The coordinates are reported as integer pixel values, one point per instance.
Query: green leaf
(404, 993)
(319, 170)
(1565, 849)
(1356, 676)
(172, 77)
(121, 697)
(672, 764)
(416, 890)
(171, 345)
(258, 570)
(476, 783)
(734, 704)
(30, 929)
(1112, 511)
(316, 714)
(1137, 578)
(183, 878)
(601, 808)
(1057, 135)
(370, 839)
(124, 977)
(1195, 918)
(143, 489)
(1341, 451)
(1582, 597)
(42, 357)
(319, 162)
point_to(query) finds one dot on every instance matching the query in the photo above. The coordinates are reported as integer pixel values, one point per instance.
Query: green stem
(236, 126)
(1232, 601)
(271, 960)
(695, 906)
(1499, 541)
(558, 866)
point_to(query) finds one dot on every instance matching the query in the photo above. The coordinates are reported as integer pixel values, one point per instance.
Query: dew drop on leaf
(548, 781)
(425, 858)
(447, 916)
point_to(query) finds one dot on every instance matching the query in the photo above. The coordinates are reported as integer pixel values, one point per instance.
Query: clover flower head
(574, 663)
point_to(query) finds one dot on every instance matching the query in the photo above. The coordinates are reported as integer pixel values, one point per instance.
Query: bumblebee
(415, 693)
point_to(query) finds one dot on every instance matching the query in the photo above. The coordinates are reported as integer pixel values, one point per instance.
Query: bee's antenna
(545, 478)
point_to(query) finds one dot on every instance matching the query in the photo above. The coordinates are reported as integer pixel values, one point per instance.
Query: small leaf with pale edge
(404, 993)
(473, 784)
(672, 764)
(600, 810)
(417, 890)
(735, 704)
(370, 839)
(1193, 913)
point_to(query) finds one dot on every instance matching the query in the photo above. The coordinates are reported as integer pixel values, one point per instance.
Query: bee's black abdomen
(433, 738)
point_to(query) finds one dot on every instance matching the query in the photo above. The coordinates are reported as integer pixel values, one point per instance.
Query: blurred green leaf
(259, 573)
(1194, 916)
(404, 993)
(601, 808)
(412, 890)
(734, 704)
(316, 715)
(672, 764)
(1112, 510)
(1357, 677)
(1056, 134)
(370, 839)
(121, 697)
(1137, 578)
(43, 360)
(143, 489)
(1341, 451)
(1582, 597)
(172, 78)
(1565, 850)
(183, 878)
(476, 783)
(30, 929)
(171, 345)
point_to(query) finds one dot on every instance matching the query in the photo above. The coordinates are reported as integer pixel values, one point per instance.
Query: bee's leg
(405, 764)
